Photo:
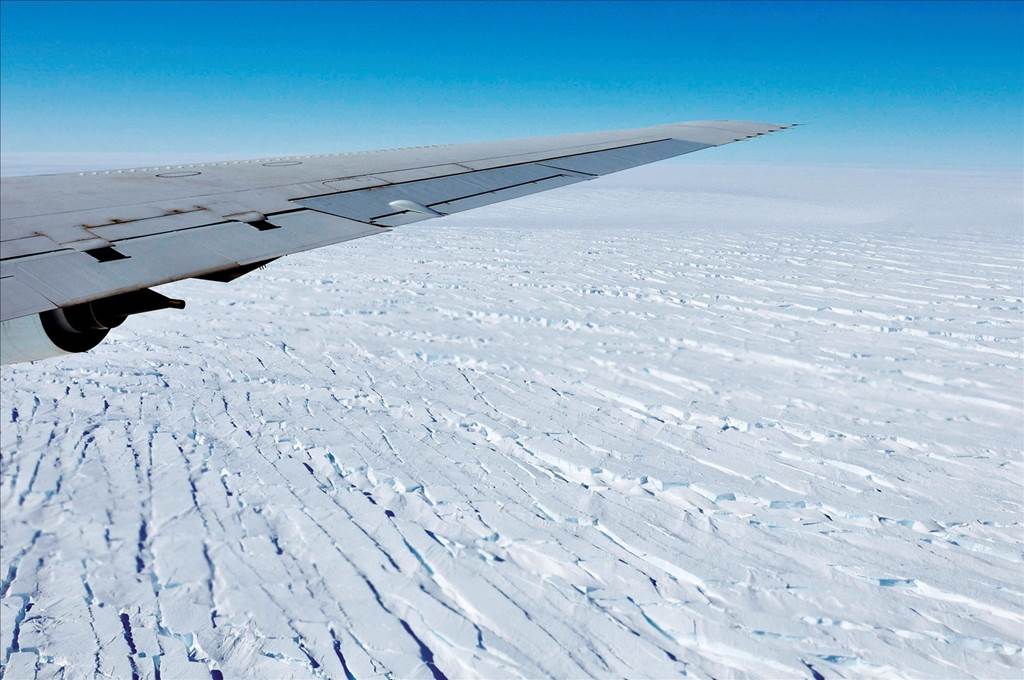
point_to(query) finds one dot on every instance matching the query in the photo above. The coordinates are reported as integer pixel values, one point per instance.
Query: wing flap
(68, 277)
(454, 192)
(505, 194)
(472, 189)
(301, 230)
(20, 299)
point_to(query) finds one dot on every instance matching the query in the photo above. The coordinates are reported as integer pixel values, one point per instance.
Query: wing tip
(739, 129)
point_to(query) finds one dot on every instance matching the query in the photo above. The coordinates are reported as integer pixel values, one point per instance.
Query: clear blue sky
(913, 84)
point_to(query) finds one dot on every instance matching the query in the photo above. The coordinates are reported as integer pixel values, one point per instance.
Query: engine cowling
(28, 338)
(77, 328)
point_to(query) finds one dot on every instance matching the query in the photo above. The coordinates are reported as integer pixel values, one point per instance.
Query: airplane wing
(80, 251)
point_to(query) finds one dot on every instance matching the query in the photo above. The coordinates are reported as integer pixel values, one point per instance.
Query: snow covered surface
(685, 421)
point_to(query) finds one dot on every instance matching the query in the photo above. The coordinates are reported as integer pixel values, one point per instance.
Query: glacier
(687, 421)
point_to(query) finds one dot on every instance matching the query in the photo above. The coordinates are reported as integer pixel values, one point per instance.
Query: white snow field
(661, 425)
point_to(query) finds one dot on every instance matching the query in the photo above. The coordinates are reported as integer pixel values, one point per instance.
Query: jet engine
(77, 328)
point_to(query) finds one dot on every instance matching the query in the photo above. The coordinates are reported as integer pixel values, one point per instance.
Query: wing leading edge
(74, 238)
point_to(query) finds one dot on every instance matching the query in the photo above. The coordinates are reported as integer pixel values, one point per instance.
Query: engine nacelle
(28, 339)
(77, 328)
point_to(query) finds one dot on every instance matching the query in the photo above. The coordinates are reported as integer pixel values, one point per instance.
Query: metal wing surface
(67, 239)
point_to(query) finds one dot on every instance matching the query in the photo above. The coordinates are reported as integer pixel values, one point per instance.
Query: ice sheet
(605, 449)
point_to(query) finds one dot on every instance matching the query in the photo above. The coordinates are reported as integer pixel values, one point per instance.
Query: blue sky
(914, 84)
